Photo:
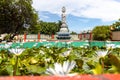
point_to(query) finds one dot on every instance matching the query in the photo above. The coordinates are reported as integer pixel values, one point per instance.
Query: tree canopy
(116, 25)
(48, 27)
(16, 15)
(101, 33)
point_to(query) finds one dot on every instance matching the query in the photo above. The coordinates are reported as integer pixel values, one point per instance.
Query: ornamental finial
(63, 9)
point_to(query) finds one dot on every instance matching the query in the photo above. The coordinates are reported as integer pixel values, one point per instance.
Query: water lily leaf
(91, 63)
(4, 72)
(35, 69)
(12, 61)
(79, 63)
(114, 61)
(86, 67)
(113, 69)
(9, 69)
(33, 60)
(98, 69)
(0, 59)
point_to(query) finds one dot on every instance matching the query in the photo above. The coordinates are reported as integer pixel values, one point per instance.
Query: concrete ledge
(79, 77)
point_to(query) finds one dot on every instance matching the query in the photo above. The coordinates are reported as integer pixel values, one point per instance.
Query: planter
(80, 77)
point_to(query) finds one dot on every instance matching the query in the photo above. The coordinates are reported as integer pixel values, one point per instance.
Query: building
(85, 35)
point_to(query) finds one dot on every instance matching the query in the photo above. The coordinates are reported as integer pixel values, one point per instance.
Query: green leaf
(9, 69)
(0, 59)
(35, 69)
(33, 60)
(98, 69)
(79, 63)
(12, 61)
(113, 69)
(114, 61)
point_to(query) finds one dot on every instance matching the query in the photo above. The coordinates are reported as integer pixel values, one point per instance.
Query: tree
(101, 33)
(48, 27)
(16, 15)
(116, 25)
(73, 33)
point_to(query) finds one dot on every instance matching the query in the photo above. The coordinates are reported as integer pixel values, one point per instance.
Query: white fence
(34, 37)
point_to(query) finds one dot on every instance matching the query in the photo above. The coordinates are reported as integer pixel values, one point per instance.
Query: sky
(81, 15)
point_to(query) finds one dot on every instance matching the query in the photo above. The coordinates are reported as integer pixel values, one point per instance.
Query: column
(80, 36)
(39, 36)
(25, 36)
(90, 35)
(52, 36)
(84, 35)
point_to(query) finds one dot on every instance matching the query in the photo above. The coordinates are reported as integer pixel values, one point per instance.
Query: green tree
(48, 27)
(15, 15)
(116, 25)
(73, 32)
(101, 33)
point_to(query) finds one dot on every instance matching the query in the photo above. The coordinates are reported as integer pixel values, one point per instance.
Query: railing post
(90, 36)
(80, 36)
(52, 36)
(84, 35)
(25, 36)
(39, 36)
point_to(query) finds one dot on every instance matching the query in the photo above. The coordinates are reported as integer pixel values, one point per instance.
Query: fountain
(63, 34)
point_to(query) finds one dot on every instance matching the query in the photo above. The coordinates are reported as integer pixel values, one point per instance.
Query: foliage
(48, 27)
(98, 69)
(73, 32)
(116, 26)
(62, 69)
(36, 61)
(15, 15)
(7, 37)
(101, 33)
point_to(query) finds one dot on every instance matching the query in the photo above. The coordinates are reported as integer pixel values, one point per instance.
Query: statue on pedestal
(64, 32)
(64, 27)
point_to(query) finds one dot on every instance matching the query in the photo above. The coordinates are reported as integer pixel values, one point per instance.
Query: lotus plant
(110, 46)
(17, 52)
(101, 53)
(62, 70)
(67, 53)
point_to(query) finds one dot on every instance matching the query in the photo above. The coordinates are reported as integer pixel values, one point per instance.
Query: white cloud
(43, 16)
(106, 10)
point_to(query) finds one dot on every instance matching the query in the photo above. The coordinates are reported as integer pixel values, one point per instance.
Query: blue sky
(81, 14)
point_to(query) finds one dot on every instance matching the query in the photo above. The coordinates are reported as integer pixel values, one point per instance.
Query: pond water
(59, 44)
